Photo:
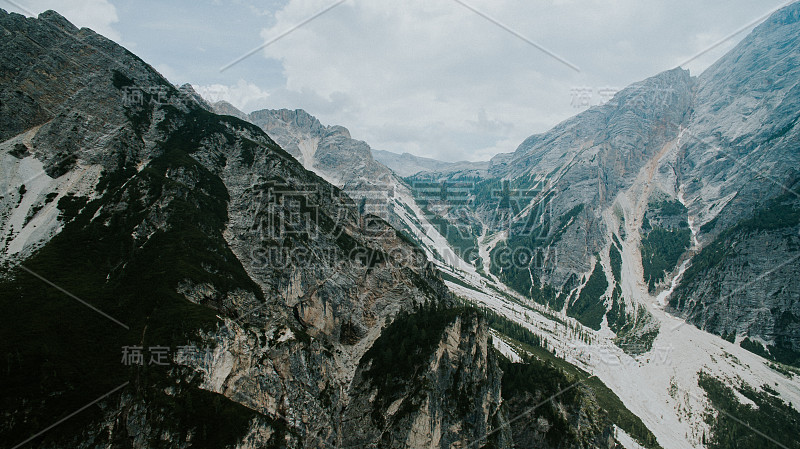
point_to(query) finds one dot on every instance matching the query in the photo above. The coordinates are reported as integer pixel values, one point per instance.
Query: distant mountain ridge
(327, 150)
(407, 164)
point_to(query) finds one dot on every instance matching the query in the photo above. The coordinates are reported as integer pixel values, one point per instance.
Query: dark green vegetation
(531, 383)
(615, 259)
(517, 261)
(708, 227)
(786, 370)
(771, 423)
(504, 195)
(511, 329)
(539, 230)
(62, 354)
(449, 277)
(590, 308)
(403, 352)
(516, 269)
(456, 200)
(773, 352)
(665, 237)
(557, 372)
(635, 330)
(635, 333)
(780, 215)
(754, 347)
(406, 344)
(617, 316)
(667, 208)
(460, 236)
(445, 204)
(34, 312)
(20, 151)
(661, 250)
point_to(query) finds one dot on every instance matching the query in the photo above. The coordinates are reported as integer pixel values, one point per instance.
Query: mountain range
(177, 273)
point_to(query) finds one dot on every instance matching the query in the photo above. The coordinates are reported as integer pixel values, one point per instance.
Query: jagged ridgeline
(182, 281)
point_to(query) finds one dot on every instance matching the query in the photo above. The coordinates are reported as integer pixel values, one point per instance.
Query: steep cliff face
(330, 152)
(195, 230)
(448, 393)
(454, 390)
(581, 166)
(742, 147)
(739, 176)
(327, 150)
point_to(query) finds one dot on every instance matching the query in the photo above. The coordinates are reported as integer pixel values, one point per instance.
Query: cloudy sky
(448, 79)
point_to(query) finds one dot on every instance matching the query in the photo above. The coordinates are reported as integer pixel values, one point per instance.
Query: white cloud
(434, 79)
(429, 78)
(98, 15)
(245, 96)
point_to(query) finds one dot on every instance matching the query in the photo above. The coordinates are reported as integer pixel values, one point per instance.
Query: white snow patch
(504, 347)
(689, 219)
(28, 172)
(286, 335)
(308, 148)
(29, 221)
(661, 300)
(626, 440)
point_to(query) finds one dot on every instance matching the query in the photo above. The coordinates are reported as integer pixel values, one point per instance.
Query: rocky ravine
(720, 152)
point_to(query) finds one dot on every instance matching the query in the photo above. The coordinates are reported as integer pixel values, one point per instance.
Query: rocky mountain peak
(188, 92)
(299, 119)
(330, 151)
(761, 62)
(58, 20)
(337, 130)
(222, 107)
